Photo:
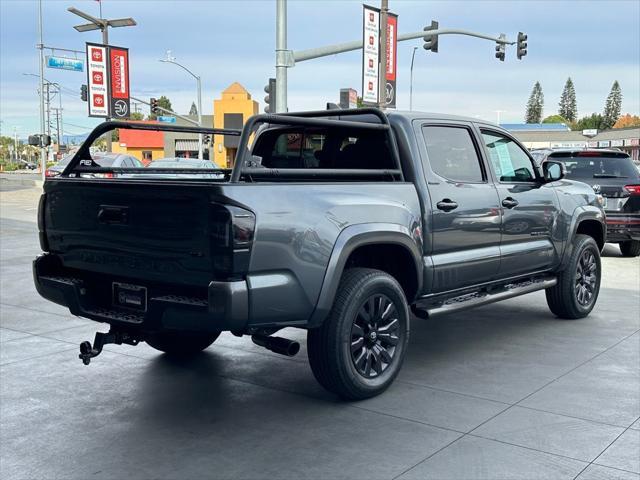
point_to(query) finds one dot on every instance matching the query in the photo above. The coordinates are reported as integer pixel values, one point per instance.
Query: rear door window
(452, 154)
(509, 161)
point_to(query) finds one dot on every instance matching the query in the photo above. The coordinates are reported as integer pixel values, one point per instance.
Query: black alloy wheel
(374, 335)
(586, 270)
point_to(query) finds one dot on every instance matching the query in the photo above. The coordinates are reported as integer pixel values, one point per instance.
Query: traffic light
(270, 98)
(206, 138)
(501, 48)
(431, 41)
(522, 45)
(153, 105)
(83, 93)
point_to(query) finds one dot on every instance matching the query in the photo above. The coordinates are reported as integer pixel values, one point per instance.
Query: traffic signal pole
(287, 58)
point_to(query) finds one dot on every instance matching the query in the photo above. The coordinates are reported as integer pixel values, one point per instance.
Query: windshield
(598, 167)
(104, 161)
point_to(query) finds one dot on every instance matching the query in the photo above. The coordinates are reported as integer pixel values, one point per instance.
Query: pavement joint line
(34, 357)
(431, 387)
(38, 310)
(576, 367)
(574, 417)
(615, 468)
(429, 456)
(605, 449)
(440, 427)
(528, 448)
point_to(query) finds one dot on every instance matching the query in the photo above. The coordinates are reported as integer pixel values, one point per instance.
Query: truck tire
(181, 343)
(576, 292)
(359, 349)
(630, 248)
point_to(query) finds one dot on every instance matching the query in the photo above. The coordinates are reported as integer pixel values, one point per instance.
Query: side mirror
(553, 171)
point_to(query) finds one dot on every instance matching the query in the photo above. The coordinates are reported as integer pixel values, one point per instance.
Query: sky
(593, 42)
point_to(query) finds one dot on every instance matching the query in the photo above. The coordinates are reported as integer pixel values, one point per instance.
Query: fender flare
(580, 214)
(348, 241)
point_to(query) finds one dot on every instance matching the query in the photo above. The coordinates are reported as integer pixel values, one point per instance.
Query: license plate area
(132, 297)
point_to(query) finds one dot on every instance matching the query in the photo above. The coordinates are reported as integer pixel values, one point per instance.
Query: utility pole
(282, 62)
(382, 64)
(102, 24)
(43, 149)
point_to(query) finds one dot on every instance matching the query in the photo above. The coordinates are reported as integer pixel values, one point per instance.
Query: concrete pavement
(504, 391)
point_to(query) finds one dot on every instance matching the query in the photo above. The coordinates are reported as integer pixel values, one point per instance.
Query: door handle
(446, 205)
(509, 202)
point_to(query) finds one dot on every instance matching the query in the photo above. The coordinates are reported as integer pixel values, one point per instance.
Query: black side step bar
(476, 299)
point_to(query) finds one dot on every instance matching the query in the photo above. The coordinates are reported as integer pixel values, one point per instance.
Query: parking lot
(504, 391)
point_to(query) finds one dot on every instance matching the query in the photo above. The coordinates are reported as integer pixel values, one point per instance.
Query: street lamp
(413, 56)
(171, 59)
(102, 24)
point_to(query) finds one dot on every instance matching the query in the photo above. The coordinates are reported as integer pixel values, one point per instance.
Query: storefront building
(145, 145)
(625, 139)
(232, 110)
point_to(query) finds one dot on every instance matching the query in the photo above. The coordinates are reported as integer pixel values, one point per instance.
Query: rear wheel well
(593, 228)
(394, 259)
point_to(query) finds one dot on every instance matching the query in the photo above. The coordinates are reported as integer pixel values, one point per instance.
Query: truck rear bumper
(224, 307)
(623, 227)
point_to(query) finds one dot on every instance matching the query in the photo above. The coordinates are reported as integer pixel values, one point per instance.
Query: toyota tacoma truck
(340, 222)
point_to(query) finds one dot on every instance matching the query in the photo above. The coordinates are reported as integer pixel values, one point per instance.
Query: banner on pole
(392, 59)
(97, 83)
(370, 54)
(119, 99)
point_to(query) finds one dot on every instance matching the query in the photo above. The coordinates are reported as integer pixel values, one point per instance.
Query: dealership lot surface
(505, 391)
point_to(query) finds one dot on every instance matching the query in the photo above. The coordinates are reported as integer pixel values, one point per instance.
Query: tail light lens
(231, 238)
(633, 189)
(50, 173)
(42, 236)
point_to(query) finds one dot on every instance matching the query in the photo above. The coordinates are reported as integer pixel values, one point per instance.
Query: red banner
(119, 82)
(392, 59)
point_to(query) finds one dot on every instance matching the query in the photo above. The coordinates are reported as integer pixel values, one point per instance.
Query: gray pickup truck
(340, 222)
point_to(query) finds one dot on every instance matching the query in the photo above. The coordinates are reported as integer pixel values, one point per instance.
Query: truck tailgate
(131, 229)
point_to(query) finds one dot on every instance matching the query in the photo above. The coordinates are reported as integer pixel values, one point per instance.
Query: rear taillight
(633, 189)
(231, 232)
(42, 236)
(50, 173)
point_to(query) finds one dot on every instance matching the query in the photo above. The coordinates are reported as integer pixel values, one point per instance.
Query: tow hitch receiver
(87, 352)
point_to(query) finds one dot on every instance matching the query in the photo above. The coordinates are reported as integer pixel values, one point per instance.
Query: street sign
(370, 54)
(166, 119)
(119, 82)
(64, 63)
(392, 61)
(97, 82)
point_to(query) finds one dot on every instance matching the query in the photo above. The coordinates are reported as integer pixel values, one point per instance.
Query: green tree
(136, 116)
(568, 107)
(163, 102)
(556, 119)
(535, 105)
(612, 106)
(595, 120)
